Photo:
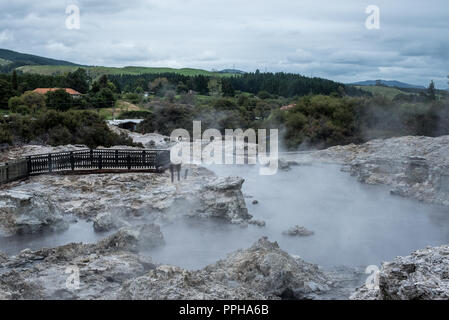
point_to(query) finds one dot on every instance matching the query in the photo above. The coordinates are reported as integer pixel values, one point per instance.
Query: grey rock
(24, 212)
(173, 283)
(222, 198)
(135, 238)
(298, 231)
(267, 269)
(423, 275)
(107, 221)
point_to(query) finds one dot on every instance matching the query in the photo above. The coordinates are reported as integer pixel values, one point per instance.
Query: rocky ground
(423, 275)
(114, 269)
(111, 201)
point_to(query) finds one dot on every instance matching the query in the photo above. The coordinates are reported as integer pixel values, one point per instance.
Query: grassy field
(120, 106)
(99, 71)
(4, 62)
(382, 91)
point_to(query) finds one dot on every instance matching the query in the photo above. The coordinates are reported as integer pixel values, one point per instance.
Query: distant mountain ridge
(388, 83)
(28, 63)
(14, 56)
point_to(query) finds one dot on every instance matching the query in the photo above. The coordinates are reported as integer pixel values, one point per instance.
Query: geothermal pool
(354, 224)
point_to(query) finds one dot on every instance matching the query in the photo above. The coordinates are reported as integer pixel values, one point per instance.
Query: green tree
(105, 98)
(6, 92)
(227, 88)
(59, 100)
(14, 83)
(431, 91)
(201, 84)
(224, 104)
(29, 102)
(78, 80)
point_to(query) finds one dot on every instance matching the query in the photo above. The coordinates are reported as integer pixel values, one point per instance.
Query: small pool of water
(80, 231)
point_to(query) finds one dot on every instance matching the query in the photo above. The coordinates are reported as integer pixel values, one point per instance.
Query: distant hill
(387, 92)
(388, 83)
(14, 56)
(28, 63)
(235, 71)
(97, 71)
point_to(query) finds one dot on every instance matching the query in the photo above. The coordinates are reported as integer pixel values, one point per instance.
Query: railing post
(29, 168)
(50, 167)
(116, 158)
(91, 158)
(100, 162)
(128, 160)
(72, 161)
(7, 171)
(144, 158)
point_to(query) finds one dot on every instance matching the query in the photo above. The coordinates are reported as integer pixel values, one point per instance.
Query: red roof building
(70, 91)
(288, 107)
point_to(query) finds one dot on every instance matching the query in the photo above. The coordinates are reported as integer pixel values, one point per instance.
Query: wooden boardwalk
(86, 161)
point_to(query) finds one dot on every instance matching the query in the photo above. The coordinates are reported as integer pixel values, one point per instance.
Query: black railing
(86, 160)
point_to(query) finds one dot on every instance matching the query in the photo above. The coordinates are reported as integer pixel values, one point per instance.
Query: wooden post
(72, 161)
(50, 167)
(7, 171)
(128, 160)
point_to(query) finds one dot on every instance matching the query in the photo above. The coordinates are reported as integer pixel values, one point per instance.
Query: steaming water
(354, 224)
(81, 231)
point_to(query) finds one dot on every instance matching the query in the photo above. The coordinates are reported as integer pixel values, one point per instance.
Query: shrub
(56, 128)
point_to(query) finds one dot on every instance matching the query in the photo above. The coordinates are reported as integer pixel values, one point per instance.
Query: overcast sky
(319, 38)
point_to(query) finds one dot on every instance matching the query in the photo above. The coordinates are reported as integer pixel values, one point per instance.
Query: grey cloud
(320, 38)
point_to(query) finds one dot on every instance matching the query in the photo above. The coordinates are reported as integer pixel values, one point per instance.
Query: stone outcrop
(110, 271)
(422, 275)
(222, 198)
(135, 238)
(263, 271)
(265, 268)
(26, 212)
(173, 283)
(298, 231)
